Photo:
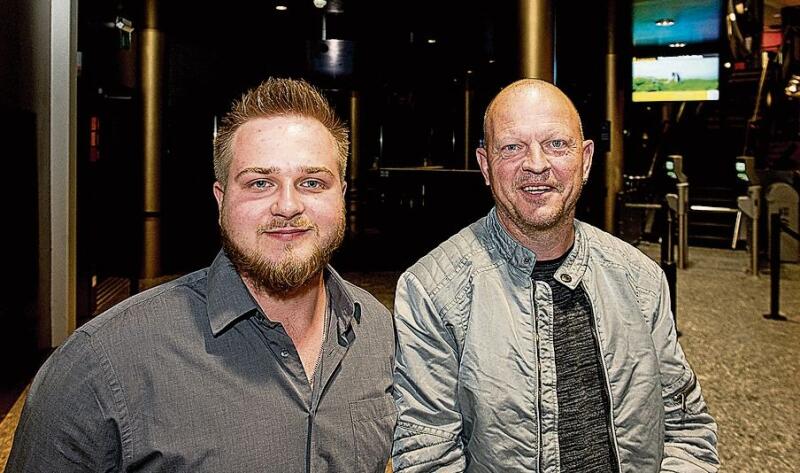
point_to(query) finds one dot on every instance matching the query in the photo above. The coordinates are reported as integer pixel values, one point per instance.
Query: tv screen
(661, 23)
(676, 78)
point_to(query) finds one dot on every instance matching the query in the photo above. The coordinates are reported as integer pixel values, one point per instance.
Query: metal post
(754, 192)
(668, 260)
(354, 166)
(536, 39)
(615, 106)
(683, 224)
(152, 77)
(775, 269)
(468, 104)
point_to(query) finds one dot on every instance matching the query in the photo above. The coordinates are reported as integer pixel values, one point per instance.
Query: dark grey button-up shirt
(191, 377)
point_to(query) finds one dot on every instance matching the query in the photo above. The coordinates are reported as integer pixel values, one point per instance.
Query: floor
(748, 366)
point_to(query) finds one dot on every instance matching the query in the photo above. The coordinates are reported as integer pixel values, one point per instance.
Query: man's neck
(302, 315)
(547, 244)
(299, 307)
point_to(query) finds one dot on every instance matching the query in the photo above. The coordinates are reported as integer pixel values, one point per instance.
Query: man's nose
(288, 203)
(535, 160)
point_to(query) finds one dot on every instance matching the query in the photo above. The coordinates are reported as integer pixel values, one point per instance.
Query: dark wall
(18, 138)
(580, 39)
(412, 72)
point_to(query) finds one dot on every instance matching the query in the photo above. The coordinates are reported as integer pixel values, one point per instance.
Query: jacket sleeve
(65, 424)
(690, 440)
(428, 432)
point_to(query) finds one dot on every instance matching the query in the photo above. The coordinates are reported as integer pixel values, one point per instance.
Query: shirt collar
(571, 271)
(511, 250)
(574, 267)
(229, 299)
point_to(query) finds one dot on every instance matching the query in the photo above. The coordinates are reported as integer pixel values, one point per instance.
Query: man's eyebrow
(258, 170)
(317, 170)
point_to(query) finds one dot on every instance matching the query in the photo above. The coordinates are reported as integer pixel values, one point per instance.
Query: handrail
(714, 209)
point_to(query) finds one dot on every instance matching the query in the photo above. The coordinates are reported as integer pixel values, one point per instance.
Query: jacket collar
(229, 299)
(572, 269)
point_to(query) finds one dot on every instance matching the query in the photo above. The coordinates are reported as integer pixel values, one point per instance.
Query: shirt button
(566, 278)
(285, 353)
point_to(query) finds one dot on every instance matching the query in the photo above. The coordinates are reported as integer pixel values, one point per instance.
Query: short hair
(272, 98)
(523, 83)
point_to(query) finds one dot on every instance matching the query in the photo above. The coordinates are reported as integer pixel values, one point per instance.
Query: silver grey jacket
(475, 378)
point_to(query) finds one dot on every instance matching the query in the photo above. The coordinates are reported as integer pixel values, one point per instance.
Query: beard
(285, 275)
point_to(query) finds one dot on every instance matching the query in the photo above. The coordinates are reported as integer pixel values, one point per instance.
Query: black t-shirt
(583, 407)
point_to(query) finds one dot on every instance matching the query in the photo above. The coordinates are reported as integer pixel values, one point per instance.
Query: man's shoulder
(154, 309)
(373, 321)
(610, 251)
(369, 303)
(453, 256)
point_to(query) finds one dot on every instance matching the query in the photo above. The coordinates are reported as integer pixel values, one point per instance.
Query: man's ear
(483, 163)
(588, 153)
(219, 194)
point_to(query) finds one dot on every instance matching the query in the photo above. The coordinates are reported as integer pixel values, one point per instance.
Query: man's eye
(512, 150)
(557, 146)
(259, 184)
(313, 184)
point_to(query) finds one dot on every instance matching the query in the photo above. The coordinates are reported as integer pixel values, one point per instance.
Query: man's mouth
(287, 233)
(536, 189)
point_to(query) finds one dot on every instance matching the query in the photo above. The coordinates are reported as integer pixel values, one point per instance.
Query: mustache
(538, 182)
(301, 222)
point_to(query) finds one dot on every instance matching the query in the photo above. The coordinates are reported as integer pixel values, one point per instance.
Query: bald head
(535, 89)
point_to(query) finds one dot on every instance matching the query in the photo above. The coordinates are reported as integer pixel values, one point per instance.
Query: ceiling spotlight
(431, 40)
(665, 22)
(281, 7)
(320, 3)
(677, 45)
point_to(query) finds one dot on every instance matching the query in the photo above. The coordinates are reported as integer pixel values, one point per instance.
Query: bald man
(531, 341)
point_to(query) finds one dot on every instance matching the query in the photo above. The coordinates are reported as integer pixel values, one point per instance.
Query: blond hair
(277, 97)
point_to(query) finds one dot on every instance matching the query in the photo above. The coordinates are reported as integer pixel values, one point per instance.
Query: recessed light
(665, 22)
(281, 7)
(677, 45)
(432, 41)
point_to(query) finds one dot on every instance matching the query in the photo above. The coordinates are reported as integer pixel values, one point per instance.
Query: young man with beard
(533, 342)
(265, 361)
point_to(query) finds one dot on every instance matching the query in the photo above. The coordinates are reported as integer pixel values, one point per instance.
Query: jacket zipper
(538, 377)
(610, 425)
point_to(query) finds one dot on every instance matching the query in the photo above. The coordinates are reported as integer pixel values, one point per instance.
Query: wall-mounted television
(661, 23)
(676, 78)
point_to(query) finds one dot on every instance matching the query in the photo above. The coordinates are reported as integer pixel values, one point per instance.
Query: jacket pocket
(373, 426)
(680, 397)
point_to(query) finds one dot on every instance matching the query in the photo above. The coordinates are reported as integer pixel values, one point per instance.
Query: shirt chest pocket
(373, 425)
